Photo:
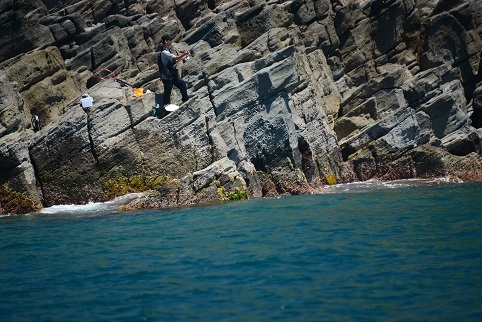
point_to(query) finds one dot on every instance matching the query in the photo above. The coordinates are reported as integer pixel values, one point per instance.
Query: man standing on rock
(169, 73)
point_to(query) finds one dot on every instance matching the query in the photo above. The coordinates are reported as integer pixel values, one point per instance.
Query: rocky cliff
(290, 95)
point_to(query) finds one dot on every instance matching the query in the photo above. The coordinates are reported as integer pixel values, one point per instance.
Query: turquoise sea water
(366, 252)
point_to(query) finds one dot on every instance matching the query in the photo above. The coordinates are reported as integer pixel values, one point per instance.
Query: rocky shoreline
(290, 96)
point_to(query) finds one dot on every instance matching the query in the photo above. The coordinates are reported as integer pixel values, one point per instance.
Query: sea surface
(400, 251)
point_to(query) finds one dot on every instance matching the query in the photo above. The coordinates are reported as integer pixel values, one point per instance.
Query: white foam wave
(375, 184)
(91, 207)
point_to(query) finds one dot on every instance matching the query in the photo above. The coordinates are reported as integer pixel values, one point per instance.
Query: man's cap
(166, 37)
(85, 95)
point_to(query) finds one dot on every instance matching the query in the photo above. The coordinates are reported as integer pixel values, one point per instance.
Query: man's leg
(181, 84)
(166, 99)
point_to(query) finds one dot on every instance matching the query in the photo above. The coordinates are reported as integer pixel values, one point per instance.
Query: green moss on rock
(138, 183)
(13, 202)
(330, 179)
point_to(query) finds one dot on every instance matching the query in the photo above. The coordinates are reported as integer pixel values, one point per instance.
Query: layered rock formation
(290, 95)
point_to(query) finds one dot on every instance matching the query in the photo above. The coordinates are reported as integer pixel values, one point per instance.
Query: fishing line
(207, 33)
(202, 38)
(106, 74)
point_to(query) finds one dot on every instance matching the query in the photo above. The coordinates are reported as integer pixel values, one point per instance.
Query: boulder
(288, 96)
(65, 161)
(476, 117)
(17, 171)
(453, 39)
(218, 182)
(43, 83)
(393, 134)
(13, 116)
(21, 31)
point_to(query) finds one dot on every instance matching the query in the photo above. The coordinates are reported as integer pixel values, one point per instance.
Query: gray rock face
(11, 107)
(289, 96)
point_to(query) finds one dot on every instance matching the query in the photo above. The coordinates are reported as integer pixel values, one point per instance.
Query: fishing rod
(197, 42)
(106, 74)
(202, 38)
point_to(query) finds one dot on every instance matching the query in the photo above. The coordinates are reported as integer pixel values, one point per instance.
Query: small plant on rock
(238, 194)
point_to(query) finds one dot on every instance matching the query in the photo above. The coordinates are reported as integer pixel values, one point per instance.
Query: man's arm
(181, 56)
